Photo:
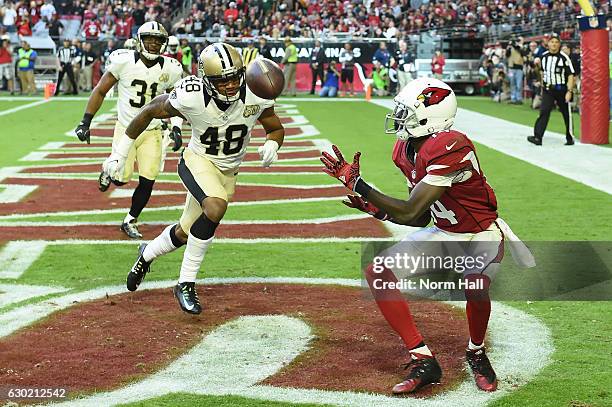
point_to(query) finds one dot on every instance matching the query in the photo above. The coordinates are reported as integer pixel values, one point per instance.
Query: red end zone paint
(91, 346)
(366, 228)
(59, 195)
(170, 166)
(171, 155)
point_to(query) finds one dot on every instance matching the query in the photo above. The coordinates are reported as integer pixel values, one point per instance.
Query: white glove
(114, 165)
(268, 152)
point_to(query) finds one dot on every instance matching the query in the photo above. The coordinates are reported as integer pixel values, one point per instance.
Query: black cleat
(534, 140)
(485, 376)
(104, 181)
(139, 270)
(569, 142)
(424, 370)
(187, 297)
(131, 229)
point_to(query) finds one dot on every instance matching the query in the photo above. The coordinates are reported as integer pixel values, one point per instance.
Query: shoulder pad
(119, 56)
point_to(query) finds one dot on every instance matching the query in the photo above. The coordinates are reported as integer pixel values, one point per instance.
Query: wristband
(87, 118)
(122, 147)
(362, 187)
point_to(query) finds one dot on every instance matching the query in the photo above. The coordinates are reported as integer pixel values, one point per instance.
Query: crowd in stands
(373, 18)
(105, 19)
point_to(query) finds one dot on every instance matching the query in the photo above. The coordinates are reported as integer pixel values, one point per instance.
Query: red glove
(361, 204)
(338, 168)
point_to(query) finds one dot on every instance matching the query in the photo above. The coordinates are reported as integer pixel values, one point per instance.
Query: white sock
(423, 350)
(159, 246)
(193, 258)
(128, 218)
(471, 345)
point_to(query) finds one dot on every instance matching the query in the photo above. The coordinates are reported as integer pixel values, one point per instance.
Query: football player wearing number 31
(140, 75)
(222, 111)
(446, 183)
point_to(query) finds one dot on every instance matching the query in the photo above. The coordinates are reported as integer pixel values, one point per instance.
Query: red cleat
(424, 370)
(481, 367)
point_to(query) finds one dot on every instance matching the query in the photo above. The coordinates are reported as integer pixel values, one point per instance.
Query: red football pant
(394, 307)
(478, 308)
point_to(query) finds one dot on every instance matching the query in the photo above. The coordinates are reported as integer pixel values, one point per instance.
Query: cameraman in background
(515, 57)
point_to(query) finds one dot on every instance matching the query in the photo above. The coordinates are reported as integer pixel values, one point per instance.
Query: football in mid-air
(265, 78)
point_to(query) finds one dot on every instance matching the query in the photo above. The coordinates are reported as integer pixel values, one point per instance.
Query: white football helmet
(173, 44)
(152, 29)
(424, 106)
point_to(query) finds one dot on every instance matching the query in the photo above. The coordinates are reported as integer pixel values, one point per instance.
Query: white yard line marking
(313, 221)
(35, 156)
(23, 107)
(174, 207)
(584, 163)
(17, 256)
(503, 329)
(15, 193)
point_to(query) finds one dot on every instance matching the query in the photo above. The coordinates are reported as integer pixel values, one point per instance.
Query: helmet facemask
(148, 53)
(401, 121)
(218, 86)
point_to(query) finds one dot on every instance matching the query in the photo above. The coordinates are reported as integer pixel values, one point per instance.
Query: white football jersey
(139, 84)
(221, 136)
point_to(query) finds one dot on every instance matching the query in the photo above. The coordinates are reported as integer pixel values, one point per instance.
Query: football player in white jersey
(141, 75)
(222, 111)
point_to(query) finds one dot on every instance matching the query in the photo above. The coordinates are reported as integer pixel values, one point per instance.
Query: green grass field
(538, 204)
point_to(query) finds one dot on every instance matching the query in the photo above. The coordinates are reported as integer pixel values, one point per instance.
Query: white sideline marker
(13, 293)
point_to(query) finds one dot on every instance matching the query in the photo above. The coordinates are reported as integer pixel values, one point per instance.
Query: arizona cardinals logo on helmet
(433, 96)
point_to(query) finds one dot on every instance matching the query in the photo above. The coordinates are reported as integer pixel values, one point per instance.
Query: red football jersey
(469, 204)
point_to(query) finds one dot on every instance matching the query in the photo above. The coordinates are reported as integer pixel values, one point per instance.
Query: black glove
(82, 130)
(175, 135)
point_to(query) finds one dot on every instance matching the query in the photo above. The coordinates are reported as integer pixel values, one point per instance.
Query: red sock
(478, 308)
(394, 307)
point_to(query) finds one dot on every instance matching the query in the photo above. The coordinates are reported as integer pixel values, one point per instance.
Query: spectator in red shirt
(437, 64)
(231, 12)
(23, 28)
(7, 68)
(123, 26)
(92, 29)
(34, 13)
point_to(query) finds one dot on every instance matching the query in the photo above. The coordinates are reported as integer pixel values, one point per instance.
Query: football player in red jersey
(447, 184)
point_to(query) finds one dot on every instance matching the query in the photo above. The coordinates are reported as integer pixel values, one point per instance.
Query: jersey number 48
(233, 139)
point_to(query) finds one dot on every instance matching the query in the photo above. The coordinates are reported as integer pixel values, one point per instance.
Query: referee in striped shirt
(558, 87)
(66, 55)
